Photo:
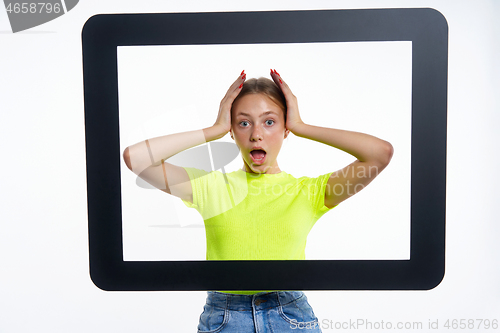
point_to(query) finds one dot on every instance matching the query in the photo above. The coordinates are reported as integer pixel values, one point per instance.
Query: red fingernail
(280, 81)
(244, 76)
(242, 72)
(271, 71)
(241, 85)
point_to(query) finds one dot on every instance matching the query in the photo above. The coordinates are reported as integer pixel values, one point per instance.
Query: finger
(276, 78)
(234, 89)
(236, 86)
(243, 77)
(280, 82)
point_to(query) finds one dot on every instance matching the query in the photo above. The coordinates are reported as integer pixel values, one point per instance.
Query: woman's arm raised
(373, 154)
(147, 158)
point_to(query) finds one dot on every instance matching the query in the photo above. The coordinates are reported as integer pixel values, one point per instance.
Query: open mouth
(258, 156)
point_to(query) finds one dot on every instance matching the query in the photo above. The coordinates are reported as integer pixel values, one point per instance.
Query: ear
(231, 133)
(286, 133)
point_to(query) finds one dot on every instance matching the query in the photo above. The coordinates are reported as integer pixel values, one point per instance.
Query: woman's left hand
(293, 120)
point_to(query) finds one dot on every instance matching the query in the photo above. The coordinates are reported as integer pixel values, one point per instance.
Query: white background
(44, 277)
(363, 87)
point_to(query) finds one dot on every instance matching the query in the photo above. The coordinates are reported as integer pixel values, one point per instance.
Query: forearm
(366, 148)
(152, 151)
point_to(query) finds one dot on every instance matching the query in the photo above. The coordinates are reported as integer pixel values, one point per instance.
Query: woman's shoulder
(314, 181)
(213, 175)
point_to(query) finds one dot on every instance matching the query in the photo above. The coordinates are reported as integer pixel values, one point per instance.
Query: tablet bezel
(427, 30)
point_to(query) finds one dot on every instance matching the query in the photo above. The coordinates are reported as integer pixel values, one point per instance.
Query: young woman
(258, 212)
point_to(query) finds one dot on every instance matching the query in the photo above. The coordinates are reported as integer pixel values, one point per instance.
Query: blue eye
(244, 121)
(269, 120)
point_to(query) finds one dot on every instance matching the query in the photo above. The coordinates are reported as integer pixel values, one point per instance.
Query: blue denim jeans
(265, 312)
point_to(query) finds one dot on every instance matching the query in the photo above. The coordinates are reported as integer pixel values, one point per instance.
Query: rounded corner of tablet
(439, 16)
(100, 283)
(92, 22)
(435, 281)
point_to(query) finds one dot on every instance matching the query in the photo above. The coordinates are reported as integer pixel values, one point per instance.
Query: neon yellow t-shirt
(242, 210)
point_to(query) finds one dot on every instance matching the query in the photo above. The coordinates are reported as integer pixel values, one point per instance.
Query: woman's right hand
(224, 118)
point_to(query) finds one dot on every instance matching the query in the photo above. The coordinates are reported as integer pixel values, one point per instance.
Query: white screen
(358, 86)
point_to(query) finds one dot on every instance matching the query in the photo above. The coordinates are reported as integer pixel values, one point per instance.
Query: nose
(256, 134)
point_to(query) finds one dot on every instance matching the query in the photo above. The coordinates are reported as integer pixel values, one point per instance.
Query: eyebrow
(264, 114)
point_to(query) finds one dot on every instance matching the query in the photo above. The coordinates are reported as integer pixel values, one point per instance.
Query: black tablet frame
(426, 28)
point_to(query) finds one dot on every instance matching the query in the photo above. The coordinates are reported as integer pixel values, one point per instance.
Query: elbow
(126, 158)
(386, 153)
(383, 156)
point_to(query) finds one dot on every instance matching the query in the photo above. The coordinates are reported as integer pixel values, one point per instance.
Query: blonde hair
(266, 87)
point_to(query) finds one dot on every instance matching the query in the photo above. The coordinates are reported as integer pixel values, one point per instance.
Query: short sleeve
(199, 184)
(211, 194)
(317, 188)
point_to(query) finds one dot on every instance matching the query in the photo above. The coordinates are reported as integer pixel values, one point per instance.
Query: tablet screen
(357, 86)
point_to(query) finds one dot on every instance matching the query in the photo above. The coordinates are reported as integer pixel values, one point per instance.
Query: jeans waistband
(259, 301)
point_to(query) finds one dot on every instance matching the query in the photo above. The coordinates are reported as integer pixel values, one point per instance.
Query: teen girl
(258, 212)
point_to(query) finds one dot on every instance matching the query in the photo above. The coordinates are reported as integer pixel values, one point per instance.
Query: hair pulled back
(266, 87)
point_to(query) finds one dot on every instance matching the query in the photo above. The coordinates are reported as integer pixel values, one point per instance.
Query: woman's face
(256, 121)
